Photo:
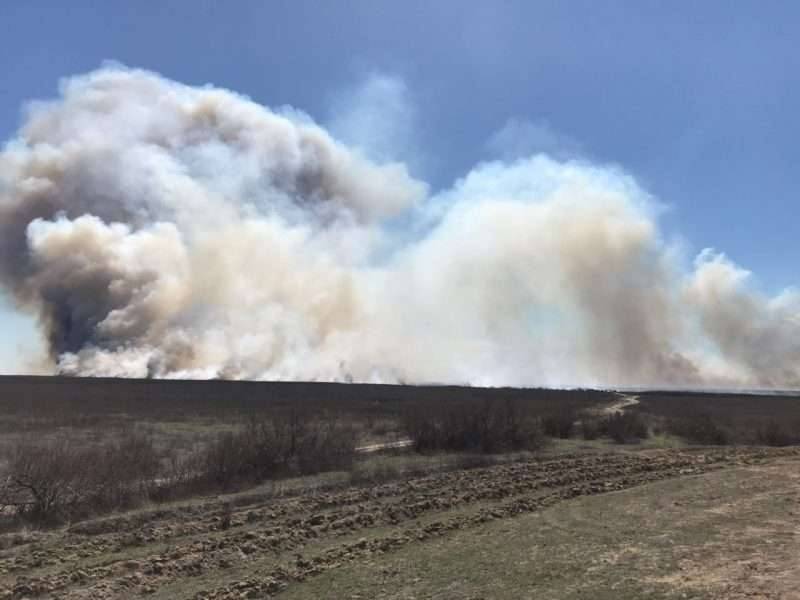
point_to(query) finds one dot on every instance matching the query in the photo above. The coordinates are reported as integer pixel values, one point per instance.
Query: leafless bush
(47, 481)
(728, 418)
(228, 460)
(267, 448)
(325, 446)
(774, 433)
(625, 427)
(123, 471)
(705, 428)
(699, 428)
(560, 423)
(483, 426)
(591, 426)
(59, 479)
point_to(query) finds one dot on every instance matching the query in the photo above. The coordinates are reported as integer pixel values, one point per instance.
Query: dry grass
(724, 535)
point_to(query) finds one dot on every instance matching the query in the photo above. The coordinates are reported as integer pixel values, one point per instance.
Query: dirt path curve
(623, 401)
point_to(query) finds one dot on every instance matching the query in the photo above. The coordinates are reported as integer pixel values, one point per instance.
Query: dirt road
(398, 445)
(623, 402)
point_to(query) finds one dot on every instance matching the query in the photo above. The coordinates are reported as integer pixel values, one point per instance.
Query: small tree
(52, 478)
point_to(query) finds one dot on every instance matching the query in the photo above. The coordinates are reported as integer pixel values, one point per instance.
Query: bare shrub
(123, 471)
(703, 428)
(226, 460)
(726, 418)
(774, 433)
(560, 423)
(47, 480)
(483, 426)
(55, 480)
(268, 448)
(699, 429)
(591, 426)
(325, 446)
(626, 427)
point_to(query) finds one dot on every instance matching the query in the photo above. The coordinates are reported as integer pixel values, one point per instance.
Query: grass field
(643, 523)
(571, 516)
(733, 533)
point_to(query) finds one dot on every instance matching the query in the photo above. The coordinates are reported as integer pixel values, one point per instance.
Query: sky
(697, 101)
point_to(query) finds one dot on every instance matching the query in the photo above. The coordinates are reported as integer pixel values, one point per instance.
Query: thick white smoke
(164, 230)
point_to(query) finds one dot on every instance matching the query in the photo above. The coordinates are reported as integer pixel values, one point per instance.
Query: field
(569, 516)
(729, 533)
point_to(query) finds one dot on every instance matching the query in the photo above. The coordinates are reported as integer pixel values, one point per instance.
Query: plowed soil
(252, 547)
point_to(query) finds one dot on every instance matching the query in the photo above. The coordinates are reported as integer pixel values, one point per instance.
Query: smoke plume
(163, 230)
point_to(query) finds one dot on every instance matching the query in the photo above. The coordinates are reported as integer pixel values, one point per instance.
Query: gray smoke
(158, 229)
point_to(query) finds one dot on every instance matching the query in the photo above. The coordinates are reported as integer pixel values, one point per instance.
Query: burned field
(256, 490)
(772, 420)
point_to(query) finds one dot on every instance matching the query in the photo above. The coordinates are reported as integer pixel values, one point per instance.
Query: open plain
(572, 518)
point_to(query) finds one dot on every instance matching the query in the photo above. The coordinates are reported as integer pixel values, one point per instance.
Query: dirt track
(191, 552)
(398, 445)
(623, 402)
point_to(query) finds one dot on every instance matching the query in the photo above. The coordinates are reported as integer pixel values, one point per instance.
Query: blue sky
(697, 100)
